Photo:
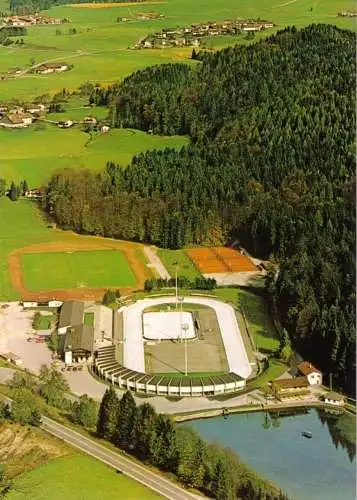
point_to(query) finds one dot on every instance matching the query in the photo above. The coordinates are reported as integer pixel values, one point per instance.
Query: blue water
(306, 469)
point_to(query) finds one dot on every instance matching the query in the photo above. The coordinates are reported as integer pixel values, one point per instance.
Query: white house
(334, 398)
(313, 375)
(29, 304)
(55, 303)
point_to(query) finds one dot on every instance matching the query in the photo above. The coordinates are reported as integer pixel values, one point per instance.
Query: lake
(321, 468)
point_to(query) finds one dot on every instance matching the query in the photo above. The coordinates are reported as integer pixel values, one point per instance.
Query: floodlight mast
(185, 328)
(181, 299)
(176, 283)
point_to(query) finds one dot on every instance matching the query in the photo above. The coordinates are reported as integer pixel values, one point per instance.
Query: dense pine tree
(126, 417)
(108, 414)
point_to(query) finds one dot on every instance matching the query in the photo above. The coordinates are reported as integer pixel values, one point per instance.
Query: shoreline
(219, 412)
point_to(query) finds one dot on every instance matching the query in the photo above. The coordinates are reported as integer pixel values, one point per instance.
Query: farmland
(100, 50)
(56, 270)
(25, 154)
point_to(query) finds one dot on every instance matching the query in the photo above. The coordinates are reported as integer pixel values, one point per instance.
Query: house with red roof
(313, 375)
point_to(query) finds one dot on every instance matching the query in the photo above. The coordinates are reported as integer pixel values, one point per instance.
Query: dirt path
(156, 263)
(72, 243)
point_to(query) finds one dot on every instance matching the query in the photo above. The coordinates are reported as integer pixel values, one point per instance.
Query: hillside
(270, 163)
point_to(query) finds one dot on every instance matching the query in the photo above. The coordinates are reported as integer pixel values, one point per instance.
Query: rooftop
(305, 367)
(335, 396)
(290, 383)
(71, 314)
(80, 338)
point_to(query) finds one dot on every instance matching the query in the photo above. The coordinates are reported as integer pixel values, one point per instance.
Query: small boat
(307, 434)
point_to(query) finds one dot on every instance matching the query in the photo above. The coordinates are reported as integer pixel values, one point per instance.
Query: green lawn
(60, 270)
(257, 315)
(185, 266)
(25, 154)
(89, 319)
(77, 478)
(100, 51)
(45, 322)
(276, 368)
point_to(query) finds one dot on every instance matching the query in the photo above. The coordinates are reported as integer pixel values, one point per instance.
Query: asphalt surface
(134, 358)
(128, 467)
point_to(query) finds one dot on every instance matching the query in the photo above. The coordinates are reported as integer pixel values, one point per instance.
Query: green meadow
(61, 270)
(100, 50)
(36, 152)
(74, 478)
(178, 259)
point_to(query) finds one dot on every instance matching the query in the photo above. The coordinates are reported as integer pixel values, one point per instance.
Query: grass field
(100, 49)
(185, 266)
(56, 270)
(25, 154)
(85, 478)
(21, 223)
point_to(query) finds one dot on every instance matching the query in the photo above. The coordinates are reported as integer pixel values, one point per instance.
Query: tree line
(155, 439)
(270, 164)
(199, 283)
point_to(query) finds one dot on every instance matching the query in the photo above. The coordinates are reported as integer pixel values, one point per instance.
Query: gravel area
(15, 328)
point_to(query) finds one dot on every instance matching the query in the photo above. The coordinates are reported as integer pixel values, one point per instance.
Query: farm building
(291, 387)
(65, 124)
(47, 68)
(16, 120)
(313, 375)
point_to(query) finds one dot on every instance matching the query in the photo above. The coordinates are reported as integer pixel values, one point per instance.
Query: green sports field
(61, 270)
(77, 478)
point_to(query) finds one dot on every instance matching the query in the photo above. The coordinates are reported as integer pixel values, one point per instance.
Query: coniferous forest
(270, 163)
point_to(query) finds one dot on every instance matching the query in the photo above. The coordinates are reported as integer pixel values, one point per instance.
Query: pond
(320, 468)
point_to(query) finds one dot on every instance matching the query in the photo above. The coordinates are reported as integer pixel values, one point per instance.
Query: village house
(90, 120)
(15, 120)
(334, 398)
(36, 108)
(34, 194)
(104, 129)
(47, 68)
(313, 375)
(65, 124)
(290, 388)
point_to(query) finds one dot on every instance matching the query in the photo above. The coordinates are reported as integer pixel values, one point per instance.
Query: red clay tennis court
(219, 260)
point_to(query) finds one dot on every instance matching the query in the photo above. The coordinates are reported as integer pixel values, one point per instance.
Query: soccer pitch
(60, 270)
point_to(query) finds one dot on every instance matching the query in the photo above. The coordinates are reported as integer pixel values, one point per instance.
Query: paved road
(138, 472)
(155, 262)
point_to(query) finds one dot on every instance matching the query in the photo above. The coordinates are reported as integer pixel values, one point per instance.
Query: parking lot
(15, 329)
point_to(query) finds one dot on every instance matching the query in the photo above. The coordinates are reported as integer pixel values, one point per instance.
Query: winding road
(132, 469)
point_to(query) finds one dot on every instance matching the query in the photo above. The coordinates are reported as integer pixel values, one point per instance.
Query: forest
(270, 163)
(157, 440)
